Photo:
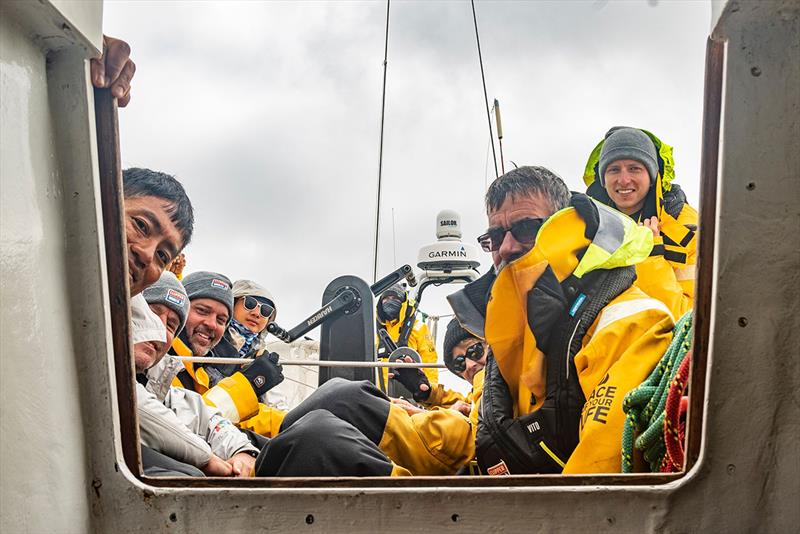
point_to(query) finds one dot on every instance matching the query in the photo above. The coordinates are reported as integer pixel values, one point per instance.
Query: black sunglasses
(524, 231)
(250, 303)
(473, 352)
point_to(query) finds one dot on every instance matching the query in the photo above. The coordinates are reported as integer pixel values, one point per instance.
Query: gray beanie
(628, 143)
(168, 291)
(209, 285)
(454, 335)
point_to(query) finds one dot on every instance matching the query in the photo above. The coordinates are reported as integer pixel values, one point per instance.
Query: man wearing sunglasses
(253, 310)
(570, 333)
(229, 387)
(465, 356)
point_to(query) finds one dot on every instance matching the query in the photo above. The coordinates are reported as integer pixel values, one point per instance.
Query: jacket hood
(666, 163)
(658, 194)
(403, 310)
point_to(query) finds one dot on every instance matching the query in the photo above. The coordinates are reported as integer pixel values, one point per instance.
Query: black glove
(264, 373)
(412, 379)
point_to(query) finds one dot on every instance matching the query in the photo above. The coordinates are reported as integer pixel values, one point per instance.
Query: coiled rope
(675, 418)
(645, 405)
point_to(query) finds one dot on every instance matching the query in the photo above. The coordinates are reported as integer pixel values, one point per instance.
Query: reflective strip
(621, 310)
(611, 231)
(619, 242)
(220, 399)
(551, 454)
(685, 273)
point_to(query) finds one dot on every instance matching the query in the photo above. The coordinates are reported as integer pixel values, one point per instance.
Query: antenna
(499, 133)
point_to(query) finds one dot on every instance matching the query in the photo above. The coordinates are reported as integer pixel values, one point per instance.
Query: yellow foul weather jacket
(669, 273)
(419, 339)
(571, 336)
(233, 395)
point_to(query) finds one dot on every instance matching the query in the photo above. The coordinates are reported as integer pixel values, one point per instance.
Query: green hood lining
(666, 162)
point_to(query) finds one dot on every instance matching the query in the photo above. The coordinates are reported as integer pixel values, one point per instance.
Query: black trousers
(155, 464)
(333, 433)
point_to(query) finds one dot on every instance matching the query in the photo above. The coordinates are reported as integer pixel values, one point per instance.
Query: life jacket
(531, 405)
(400, 329)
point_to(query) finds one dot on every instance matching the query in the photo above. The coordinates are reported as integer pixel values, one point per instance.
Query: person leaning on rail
(570, 333)
(234, 390)
(464, 355)
(633, 171)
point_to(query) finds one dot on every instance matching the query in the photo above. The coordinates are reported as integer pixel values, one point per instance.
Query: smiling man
(159, 221)
(212, 308)
(632, 170)
(230, 387)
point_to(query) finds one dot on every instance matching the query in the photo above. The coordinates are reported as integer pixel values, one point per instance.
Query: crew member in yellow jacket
(230, 387)
(633, 171)
(569, 332)
(397, 313)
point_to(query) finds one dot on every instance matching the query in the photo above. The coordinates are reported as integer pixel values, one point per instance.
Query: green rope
(644, 405)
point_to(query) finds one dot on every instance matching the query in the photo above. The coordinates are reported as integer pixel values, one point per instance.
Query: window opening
(115, 245)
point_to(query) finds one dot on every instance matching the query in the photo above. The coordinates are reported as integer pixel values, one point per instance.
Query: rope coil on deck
(645, 405)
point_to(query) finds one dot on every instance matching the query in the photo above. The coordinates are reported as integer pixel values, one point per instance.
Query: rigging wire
(485, 96)
(380, 150)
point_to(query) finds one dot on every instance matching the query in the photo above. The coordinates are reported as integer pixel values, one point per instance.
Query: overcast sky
(269, 114)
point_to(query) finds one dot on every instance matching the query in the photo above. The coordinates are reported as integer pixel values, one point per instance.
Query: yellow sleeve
(443, 397)
(617, 359)
(267, 421)
(234, 397)
(671, 278)
(656, 277)
(435, 442)
(475, 398)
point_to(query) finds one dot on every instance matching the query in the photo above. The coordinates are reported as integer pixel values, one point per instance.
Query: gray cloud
(269, 113)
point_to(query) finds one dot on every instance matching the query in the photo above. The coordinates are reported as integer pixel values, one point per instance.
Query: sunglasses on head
(524, 231)
(473, 352)
(250, 303)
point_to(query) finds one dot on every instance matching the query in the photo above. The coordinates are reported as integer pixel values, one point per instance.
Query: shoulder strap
(408, 324)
